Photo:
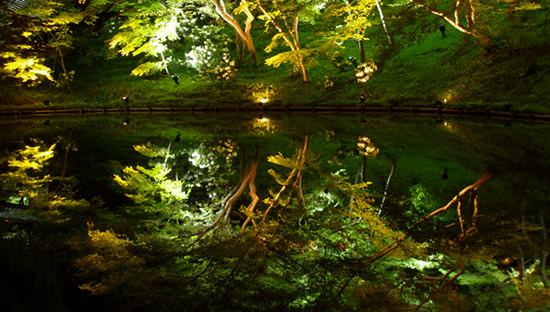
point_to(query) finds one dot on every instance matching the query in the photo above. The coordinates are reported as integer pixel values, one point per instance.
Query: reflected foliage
(189, 237)
(26, 178)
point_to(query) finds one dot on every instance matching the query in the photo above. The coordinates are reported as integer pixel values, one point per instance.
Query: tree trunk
(220, 8)
(296, 38)
(362, 56)
(383, 21)
(62, 62)
(364, 169)
(361, 42)
(293, 44)
(239, 49)
(248, 27)
(302, 67)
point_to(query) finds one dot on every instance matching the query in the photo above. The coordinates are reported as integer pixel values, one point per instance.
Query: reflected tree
(26, 181)
(297, 244)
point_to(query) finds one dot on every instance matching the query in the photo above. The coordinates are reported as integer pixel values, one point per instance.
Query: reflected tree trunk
(364, 169)
(248, 180)
(255, 198)
(392, 171)
(65, 161)
(521, 264)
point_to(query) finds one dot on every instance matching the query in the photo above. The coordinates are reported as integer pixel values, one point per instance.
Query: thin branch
(341, 291)
(439, 279)
(476, 210)
(293, 44)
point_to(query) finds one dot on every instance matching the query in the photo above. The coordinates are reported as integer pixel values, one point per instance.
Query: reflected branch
(443, 285)
(247, 180)
(486, 177)
(301, 159)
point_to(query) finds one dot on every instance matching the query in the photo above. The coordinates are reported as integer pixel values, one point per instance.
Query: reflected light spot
(263, 125)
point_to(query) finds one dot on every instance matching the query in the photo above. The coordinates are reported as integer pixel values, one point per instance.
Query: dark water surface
(318, 249)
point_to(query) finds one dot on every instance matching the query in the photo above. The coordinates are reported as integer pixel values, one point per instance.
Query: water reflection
(237, 212)
(263, 125)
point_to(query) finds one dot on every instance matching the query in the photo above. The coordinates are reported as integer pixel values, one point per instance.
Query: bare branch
(456, 23)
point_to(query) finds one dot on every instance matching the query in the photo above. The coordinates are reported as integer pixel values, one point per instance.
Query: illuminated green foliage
(25, 69)
(27, 179)
(110, 264)
(147, 27)
(284, 17)
(419, 203)
(210, 53)
(151, 189)
(43, 30)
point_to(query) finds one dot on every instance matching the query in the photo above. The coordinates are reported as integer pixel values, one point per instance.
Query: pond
(278, 212)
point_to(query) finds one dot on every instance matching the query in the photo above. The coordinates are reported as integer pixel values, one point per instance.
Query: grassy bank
(451, 69)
